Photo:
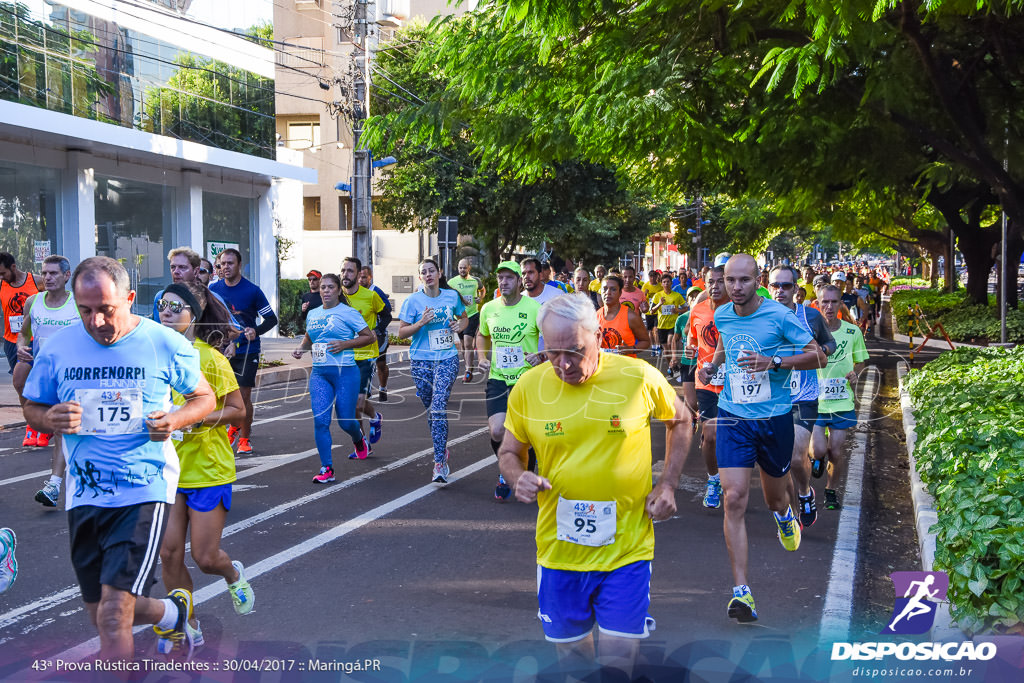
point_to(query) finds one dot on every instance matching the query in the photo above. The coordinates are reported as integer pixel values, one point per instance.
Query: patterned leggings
(434, 380)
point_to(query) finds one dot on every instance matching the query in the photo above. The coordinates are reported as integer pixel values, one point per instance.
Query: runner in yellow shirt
(593, 485)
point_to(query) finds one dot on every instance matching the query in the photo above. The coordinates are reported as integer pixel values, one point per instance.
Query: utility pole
(362, 190)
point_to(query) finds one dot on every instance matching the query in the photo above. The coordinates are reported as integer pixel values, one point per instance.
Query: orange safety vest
(12, 300)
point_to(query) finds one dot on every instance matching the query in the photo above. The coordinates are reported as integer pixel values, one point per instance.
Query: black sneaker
(818, 467)
(382, 396)
(831, 500)
(808, 510)
(502, 491)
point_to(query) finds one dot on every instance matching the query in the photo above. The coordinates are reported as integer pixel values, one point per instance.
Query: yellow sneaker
(789, 530)
(741, 607)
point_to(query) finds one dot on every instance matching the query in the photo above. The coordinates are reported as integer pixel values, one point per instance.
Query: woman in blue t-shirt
(433, 317)
(332, 331)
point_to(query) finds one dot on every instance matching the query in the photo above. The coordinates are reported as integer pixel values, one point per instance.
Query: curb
(925, 515)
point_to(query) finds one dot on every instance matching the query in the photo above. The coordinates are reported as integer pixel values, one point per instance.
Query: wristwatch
(776, 362)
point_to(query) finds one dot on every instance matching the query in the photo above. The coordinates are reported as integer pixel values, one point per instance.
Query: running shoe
(713, 494)
(502, 491)
(49, 494)
(362, 450)
(808, 510)
(789, 530)
(741, 607)
(376, 428)
(832, 500)
(441, 470)
(382, 395)
(469, 376)
(232, 434)
(8, 563)
(242, 596)
(326, 475)
(244, 447)
(182, 632)
(43, 440)
(30, 438)
(818, 467)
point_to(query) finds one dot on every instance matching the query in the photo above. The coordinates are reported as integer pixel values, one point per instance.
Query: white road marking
(90, 647)
(838, 607)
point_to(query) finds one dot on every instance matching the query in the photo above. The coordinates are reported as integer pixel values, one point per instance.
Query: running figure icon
(915, 611)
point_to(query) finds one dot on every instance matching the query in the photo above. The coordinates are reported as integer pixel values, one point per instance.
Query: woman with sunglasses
(207, 462)
(333, 330)
(432, 317)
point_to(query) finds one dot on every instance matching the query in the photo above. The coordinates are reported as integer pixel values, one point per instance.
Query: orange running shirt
(702, 327)
(12, 300)
(615, 331)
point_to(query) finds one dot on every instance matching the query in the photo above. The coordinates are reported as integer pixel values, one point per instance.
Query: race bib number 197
(750, 387)
(110, 411)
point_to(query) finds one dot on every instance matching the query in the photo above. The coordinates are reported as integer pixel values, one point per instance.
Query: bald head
(464, 267)
(741, 278)
(742, 263)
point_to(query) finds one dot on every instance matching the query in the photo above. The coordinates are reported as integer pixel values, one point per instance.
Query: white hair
(576, 309)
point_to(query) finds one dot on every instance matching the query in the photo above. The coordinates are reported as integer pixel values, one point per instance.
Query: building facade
(130, 127)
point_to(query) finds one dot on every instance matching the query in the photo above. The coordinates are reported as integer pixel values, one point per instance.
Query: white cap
(722, 258)
(839, 276)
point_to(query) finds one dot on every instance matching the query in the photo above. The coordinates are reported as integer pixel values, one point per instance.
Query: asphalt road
(432, 581)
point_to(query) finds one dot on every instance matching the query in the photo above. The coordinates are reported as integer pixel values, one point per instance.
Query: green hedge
(969, 405)
(963, 322)
(909, 282)
(289, 314)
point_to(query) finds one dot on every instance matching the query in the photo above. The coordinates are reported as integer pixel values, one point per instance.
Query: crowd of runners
(760, 364)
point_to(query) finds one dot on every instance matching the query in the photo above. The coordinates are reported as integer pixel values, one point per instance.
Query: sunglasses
(204, 271)
(175, 306)
(781, 285)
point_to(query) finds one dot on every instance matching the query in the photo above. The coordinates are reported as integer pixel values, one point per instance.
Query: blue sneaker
(713, 494)
(8, 563)
(741, 607)
(376, 428)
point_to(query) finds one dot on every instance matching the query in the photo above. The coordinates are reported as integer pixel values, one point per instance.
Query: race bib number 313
(110, 411)
(586, 522)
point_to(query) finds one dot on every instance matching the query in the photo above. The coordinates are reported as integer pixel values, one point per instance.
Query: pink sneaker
(325, 476)
(362, 450)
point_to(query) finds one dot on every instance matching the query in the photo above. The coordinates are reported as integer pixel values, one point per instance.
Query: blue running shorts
(844, 420)
(767, 441)
(571, 602)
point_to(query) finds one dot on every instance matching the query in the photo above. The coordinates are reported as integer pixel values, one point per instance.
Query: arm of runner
(708, 371)
(305, 345)
(233, 411)
(461, 323)
(406, 330)
(62, 418)
(364, 337)
(25, 336)
(636, 324)
(854, 374)
(661, 501)
(269, 319)
(824, 337)
(483, 350)
(198, 405)
(513, 455)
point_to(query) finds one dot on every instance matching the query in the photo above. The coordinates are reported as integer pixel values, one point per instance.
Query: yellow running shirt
(675, 303)
(369, 304)
(205, 453)
(593, 443)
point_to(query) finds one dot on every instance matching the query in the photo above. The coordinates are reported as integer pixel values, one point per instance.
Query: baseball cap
(722, 258)
(314, 273)
(509, 265)
(820, 280)
(693, 290)
(839, 276)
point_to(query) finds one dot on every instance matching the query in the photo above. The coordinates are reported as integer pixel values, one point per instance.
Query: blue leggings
(434, 380)
(338, 386)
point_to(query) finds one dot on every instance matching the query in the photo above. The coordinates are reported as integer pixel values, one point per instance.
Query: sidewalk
(273, 349)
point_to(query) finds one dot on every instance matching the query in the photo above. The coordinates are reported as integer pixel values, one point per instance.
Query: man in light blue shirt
(106, 386)
(760, 342)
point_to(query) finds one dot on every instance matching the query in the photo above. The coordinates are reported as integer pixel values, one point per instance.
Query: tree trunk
(949, 285)
(977, 250)
(1014, 250)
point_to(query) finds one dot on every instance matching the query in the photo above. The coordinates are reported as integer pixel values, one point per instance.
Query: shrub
(969, 405)
(289, 314)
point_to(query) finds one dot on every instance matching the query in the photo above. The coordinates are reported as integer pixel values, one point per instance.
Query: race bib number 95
(586, 522)
(110, 411)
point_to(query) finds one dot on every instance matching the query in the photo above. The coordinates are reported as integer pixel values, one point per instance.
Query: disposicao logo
(914, 612)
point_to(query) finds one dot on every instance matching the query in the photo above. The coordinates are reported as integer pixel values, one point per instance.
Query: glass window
(303, 135)
(28, 213)
(133, 225)
(228, 222)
